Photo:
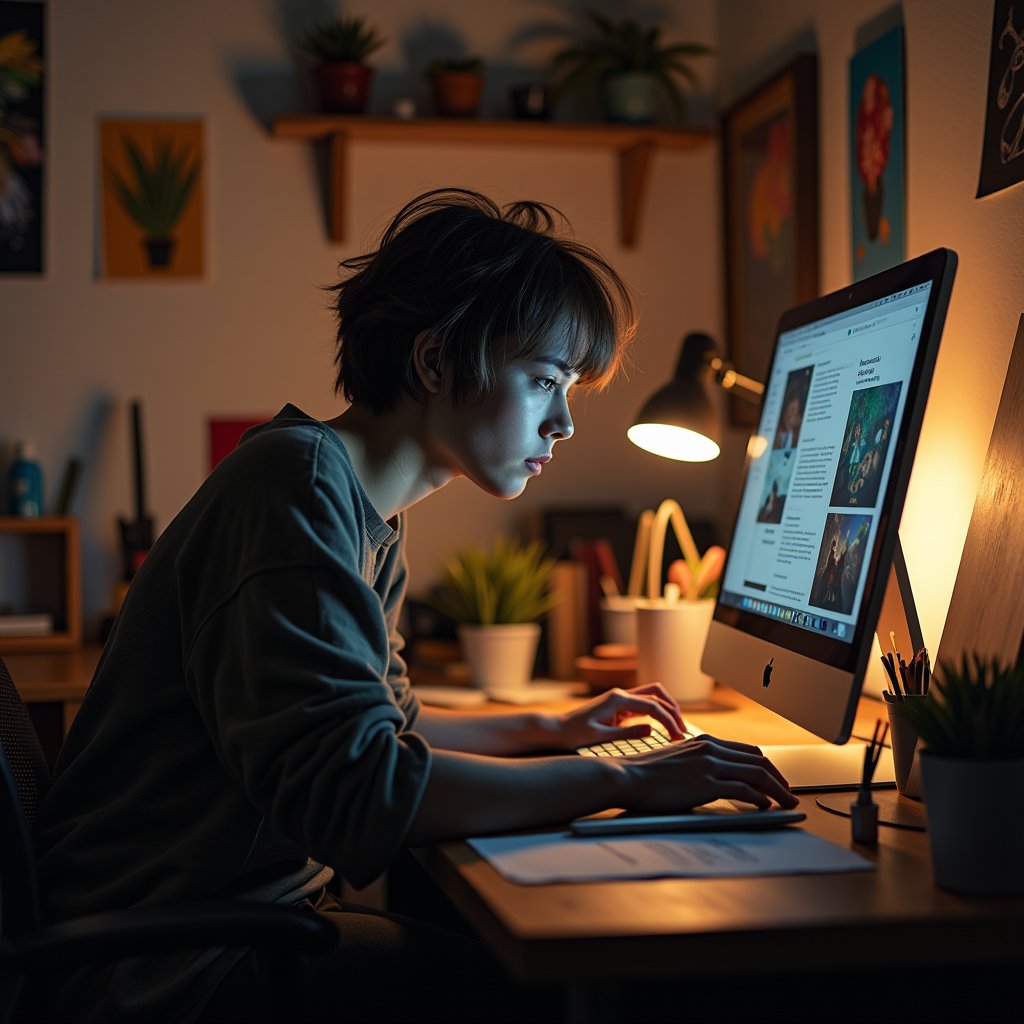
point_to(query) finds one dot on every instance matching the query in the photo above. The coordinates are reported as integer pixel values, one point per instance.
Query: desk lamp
(679, 421)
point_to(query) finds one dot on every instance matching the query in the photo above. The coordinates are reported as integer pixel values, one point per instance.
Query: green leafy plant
(156, 198)
(344, 40)
(613, 47)
(443, 65)
(510, 582)
(974, 711)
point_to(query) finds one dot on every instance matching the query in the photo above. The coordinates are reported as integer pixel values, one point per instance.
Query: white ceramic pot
(975, 827)
(670, 637)
(500, 657)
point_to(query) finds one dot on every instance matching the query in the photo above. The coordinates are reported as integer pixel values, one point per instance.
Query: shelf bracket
(337, 175)
(634, 164)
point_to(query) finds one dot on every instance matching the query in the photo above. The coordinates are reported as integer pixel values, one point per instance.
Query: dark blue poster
(1002, 154)
(21, 137)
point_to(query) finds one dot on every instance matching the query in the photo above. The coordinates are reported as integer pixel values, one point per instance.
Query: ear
(426, 358)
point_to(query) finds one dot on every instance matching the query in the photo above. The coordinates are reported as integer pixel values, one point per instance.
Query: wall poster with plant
(22, 27)
(152, 186)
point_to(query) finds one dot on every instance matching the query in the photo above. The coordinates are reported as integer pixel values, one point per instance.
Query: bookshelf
(40, 574)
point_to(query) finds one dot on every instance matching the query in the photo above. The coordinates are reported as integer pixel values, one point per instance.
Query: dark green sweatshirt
(248, 726)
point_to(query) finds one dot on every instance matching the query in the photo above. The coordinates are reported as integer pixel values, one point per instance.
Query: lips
(536, 464)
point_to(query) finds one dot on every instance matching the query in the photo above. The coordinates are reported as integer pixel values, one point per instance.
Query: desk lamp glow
(679, 421)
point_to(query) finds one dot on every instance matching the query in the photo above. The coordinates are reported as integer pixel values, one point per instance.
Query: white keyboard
(640, 745)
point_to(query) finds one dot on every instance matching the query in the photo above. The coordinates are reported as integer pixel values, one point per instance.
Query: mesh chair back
(21, 745)
(24, 778)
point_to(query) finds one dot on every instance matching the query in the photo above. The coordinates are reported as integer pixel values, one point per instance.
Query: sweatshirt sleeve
(289, 672)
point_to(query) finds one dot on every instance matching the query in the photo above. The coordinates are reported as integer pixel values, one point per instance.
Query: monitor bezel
(938, 266)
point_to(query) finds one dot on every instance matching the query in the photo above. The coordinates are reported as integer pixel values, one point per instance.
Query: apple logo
(767, 677)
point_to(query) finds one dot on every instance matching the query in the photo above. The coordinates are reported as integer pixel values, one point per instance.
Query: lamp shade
(679, 421)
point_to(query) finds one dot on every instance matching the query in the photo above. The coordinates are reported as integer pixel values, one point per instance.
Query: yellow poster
(153, 174)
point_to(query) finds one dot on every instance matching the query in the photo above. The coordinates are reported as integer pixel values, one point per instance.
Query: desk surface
(894, 916)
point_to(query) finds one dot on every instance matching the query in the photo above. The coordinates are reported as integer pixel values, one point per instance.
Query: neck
(389, 457)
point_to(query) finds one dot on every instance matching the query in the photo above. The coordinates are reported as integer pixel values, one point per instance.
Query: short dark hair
(489, 283)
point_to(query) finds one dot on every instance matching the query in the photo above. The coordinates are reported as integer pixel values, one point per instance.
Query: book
(26, 625)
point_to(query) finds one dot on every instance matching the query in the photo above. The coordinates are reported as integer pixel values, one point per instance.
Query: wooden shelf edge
(471, 130)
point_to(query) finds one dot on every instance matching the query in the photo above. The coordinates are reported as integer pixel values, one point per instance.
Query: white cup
(670, 640)
(618, 620)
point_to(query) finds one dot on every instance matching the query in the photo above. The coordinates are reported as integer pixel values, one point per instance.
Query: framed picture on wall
(22, 131)
(152, 189)
(877, 175)
(770, 163)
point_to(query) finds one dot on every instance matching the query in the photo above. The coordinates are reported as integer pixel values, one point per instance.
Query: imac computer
(816, 529)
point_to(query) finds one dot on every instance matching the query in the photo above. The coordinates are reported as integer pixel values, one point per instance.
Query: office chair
(29, 948)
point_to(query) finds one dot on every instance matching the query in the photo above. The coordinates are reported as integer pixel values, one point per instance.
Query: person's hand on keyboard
(685, 775)
(607, 717)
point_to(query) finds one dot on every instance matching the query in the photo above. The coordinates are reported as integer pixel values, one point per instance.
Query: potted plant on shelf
(342, 77)
(630, 66)
(495, 596)
(457, 84)
(157, 196)
(972, 772)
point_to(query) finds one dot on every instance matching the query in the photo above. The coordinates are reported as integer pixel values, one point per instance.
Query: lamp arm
(728, 378)
(669, 512)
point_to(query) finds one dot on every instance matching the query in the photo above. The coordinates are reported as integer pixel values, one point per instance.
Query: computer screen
(823, 491)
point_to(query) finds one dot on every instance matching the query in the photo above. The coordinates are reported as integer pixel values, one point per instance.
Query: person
(788, 433)
(251, 732)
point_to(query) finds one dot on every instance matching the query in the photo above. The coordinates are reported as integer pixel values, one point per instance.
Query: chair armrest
(125, 933)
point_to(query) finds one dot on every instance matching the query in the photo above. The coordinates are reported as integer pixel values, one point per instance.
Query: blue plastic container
(25, 484)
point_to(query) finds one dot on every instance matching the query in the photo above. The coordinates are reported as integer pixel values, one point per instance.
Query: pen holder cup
(905, 756)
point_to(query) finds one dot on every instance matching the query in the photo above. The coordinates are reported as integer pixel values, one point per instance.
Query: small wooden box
(40, 572)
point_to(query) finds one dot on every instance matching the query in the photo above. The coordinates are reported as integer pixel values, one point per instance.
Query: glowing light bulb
(673, 442)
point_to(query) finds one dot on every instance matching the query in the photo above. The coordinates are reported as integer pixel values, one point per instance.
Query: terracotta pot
(457, 93)
(343, 87)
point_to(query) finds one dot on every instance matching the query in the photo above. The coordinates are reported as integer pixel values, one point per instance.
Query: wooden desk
(862, 927)
(53, 684)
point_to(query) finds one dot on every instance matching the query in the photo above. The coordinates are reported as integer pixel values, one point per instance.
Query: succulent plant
(973, 711)
(622, 46)
(345, 40)
(509, 582)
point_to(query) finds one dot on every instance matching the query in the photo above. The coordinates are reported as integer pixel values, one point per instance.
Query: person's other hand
(608, 716)
(703, 769)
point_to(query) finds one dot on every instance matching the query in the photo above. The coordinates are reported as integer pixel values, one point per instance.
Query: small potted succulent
(629, 65)
(342, 77)
(457, 84)
(495, 596)
(971, 728)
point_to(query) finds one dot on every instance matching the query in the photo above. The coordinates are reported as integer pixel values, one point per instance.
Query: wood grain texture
(986, 611)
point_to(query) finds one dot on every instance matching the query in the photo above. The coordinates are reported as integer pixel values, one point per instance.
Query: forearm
(482, 732)
(468, 794)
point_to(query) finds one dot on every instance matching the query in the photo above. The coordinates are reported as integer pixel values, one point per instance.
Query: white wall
(254, 333)
(947, 62)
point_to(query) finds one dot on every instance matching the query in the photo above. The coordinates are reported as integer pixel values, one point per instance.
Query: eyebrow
(559, 364)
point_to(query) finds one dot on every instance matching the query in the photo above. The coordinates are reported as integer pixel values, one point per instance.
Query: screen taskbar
(821, 624)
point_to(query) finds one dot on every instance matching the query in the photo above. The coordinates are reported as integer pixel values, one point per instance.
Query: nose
(559, 426)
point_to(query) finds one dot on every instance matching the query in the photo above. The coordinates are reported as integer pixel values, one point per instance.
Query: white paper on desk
(561, 857)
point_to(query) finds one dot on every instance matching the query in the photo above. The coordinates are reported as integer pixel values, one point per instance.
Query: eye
(547, 384)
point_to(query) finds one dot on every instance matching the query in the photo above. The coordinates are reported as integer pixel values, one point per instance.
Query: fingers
(653, 700)
(721, 767)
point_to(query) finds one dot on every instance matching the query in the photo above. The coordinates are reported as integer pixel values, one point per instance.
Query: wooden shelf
(39, 560)
(635, 145)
